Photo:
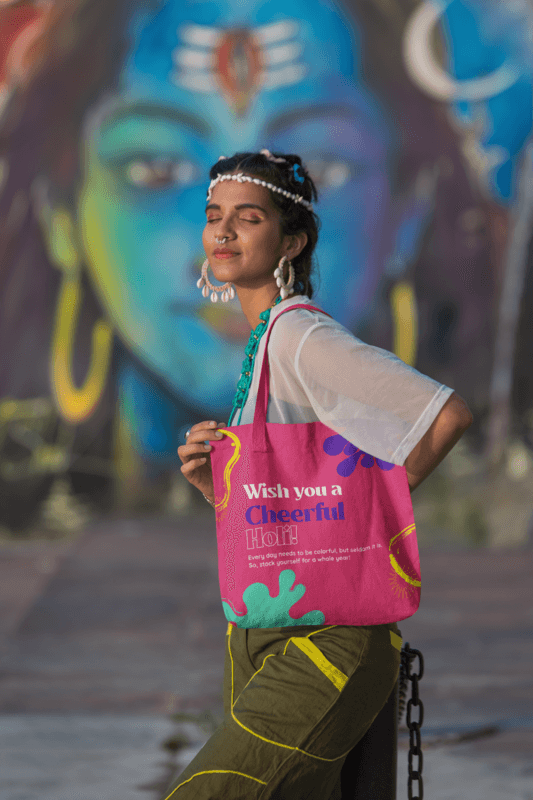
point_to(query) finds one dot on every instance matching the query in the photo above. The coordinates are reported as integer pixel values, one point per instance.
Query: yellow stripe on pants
(395, 640)
(337, 677)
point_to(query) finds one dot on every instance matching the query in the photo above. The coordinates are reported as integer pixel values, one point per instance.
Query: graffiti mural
(108, 128)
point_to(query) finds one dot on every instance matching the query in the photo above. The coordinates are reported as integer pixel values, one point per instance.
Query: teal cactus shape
(265, 611)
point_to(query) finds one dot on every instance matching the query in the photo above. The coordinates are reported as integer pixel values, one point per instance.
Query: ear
(295, 244)
(59, 234)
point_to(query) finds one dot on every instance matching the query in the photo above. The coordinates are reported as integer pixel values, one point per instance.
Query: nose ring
(221, 241)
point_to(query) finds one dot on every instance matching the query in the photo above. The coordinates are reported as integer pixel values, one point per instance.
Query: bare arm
(446, 430)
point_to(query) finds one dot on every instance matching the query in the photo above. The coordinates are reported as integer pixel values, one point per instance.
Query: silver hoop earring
(285, 288)
(228, 291)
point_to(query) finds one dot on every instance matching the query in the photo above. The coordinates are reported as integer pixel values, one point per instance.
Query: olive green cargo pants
(296, 701)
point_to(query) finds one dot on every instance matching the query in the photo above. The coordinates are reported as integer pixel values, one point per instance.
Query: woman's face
(245, 215)
(204, 80)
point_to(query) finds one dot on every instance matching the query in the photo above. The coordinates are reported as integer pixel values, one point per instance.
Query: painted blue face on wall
(208, 79)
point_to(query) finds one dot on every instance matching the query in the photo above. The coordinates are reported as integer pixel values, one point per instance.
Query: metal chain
(415, 741)
(402, 683)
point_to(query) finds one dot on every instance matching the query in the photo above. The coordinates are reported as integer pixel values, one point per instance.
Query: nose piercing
(221, 241)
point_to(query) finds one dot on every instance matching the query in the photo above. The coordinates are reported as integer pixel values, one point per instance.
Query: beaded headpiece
(241, 178)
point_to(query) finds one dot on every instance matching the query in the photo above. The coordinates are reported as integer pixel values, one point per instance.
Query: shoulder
(303, 332)
(299, 322)
(306, 333)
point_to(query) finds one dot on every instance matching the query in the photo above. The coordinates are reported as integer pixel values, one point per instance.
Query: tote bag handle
(259, 439)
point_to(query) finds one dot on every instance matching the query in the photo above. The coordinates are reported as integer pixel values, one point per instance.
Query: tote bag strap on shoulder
(259, 439)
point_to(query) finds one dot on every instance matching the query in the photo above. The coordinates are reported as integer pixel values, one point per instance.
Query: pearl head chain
(241, 178)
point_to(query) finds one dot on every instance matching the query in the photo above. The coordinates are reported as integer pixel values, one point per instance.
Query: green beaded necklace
(243, 387)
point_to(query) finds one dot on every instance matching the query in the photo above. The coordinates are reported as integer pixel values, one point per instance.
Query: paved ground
(103, 638)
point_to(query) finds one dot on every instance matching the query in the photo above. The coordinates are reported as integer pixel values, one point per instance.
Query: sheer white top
(321, 371)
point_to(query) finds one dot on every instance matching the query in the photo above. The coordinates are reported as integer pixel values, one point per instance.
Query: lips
(223, 251)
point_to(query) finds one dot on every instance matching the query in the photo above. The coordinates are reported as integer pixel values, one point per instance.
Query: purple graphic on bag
(334, 445)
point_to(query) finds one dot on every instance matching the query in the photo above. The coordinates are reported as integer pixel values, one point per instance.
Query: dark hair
(295, 217)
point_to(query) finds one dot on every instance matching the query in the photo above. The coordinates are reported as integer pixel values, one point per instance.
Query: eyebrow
(238, 208)
(311, 112)
(156, 111)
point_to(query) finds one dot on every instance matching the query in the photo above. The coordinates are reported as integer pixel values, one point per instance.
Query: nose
(223, 237)
(224, 231)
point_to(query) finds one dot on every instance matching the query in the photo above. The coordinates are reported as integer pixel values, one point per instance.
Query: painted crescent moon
(425, 71)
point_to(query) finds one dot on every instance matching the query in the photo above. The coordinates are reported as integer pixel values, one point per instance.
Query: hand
(196, 456)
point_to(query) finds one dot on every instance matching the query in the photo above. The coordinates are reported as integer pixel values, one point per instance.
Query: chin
(224, 273)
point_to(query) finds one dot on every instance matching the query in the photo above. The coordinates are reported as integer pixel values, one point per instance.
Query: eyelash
(253, 221)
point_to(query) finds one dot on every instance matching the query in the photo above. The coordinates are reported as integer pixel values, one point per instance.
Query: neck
(255, 301)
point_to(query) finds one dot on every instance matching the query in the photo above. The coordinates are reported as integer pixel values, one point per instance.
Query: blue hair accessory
(299, 178)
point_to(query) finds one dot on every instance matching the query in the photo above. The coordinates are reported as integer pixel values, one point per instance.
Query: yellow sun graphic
(400, 581)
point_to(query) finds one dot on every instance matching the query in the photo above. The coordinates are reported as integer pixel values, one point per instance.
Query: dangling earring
(228, 292)
(286, 288)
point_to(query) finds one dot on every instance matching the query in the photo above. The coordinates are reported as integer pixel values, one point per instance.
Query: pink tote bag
(311, 530)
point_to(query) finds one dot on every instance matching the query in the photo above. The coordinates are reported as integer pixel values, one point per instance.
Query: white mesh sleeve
(365, 393)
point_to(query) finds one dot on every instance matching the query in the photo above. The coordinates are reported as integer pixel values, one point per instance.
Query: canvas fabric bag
(311, 530)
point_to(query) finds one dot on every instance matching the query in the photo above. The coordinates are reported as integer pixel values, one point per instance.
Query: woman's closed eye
(243, 219)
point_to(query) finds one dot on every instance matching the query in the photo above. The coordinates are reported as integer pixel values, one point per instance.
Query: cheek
(250, 239)
(247, 239)
(264, 236)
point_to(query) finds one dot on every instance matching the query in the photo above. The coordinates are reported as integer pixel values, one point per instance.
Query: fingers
(194, 463)
(204, 435)
(194, 449)
(205, 430)
(195, 455)
(200, 433)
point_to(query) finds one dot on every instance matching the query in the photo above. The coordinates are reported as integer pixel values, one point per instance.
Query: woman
(287, 726)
